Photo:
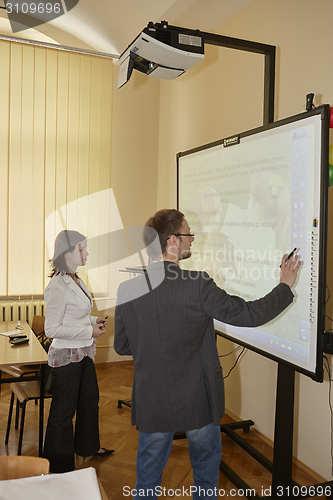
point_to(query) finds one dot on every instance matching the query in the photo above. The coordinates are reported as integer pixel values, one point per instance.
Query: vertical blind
(55, 147)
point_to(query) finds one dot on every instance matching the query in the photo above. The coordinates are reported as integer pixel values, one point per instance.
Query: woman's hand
(98, 330)
(289, 269)
(102, 320)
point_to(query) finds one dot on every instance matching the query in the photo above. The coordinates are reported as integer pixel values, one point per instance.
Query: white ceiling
(109, 26)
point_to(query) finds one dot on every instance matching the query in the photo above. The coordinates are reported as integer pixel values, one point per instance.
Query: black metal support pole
(269, 86)
(283, 438)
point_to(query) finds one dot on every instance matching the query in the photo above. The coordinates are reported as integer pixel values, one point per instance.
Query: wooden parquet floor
(117, 472)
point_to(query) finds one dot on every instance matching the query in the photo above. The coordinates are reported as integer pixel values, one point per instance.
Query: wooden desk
(25, 354)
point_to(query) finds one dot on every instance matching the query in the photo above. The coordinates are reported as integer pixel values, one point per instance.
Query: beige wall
(135, 146)
(223, 95)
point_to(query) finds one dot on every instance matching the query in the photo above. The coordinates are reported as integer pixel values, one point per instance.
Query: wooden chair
(24, 391)
(38, 324)
(13, 467)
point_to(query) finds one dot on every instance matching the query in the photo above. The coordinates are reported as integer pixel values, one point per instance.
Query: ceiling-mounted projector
(161, 51)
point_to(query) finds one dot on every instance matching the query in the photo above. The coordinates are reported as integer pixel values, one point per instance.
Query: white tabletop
(77, 485)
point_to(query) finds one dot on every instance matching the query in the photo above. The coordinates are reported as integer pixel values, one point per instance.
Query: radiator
(22, 310)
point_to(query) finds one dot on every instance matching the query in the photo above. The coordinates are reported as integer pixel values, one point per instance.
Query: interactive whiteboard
(250, 199)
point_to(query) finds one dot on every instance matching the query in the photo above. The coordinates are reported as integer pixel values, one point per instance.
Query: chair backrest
(37, 325)
(15, 467)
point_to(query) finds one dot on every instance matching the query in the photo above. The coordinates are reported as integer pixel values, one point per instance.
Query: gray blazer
(169, 330)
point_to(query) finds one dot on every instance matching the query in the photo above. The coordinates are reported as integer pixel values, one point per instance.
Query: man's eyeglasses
(182, 234)
(191, 235)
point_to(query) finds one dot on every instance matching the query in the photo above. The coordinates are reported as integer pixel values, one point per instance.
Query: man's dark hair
(165, 223)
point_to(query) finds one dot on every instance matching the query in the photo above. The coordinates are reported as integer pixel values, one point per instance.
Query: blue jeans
(205, 451)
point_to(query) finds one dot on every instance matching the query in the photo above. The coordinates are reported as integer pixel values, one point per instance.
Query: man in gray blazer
(164, 319)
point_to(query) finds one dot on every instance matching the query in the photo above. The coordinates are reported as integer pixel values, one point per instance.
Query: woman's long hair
(66, 241)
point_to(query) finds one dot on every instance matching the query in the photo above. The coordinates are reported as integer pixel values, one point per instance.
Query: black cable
(329, 295)
(239, 355)
(328, 369)
(228, 354)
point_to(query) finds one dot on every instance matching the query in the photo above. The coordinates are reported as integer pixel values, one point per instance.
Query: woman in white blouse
(71, 357)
